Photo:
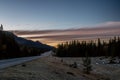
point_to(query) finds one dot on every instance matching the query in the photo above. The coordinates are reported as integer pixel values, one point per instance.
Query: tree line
(93, 49)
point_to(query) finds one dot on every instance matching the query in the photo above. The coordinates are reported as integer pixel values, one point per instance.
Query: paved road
(11, 62)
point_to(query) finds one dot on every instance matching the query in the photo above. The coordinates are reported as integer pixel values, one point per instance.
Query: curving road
(11, 62)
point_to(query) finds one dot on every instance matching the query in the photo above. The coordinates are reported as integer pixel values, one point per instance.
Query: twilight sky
(57, 14)
(53, 37)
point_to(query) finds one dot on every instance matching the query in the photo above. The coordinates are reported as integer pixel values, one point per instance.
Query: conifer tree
(87, 64)
(1, 27)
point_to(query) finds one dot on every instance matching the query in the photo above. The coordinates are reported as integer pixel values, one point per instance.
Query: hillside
(13, 46)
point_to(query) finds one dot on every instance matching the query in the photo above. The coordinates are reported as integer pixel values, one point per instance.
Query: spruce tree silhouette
(1, 27)
(78, 49)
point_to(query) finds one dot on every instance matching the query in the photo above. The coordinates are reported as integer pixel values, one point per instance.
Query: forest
(93, 49)
(10, 48)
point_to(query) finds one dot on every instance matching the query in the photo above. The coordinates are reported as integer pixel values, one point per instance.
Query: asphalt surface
(11, 62)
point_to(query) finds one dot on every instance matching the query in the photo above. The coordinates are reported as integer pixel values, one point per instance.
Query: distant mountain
(30, 43)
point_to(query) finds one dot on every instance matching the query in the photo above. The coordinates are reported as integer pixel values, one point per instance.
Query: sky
(57, 14)
(54, 37)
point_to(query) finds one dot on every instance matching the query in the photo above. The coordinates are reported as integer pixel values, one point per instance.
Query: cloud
(109, 24)
(112, 24)
(104, 30)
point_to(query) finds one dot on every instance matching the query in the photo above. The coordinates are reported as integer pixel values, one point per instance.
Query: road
(11, 62)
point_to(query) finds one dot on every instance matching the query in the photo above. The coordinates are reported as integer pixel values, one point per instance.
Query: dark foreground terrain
(53, 68)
